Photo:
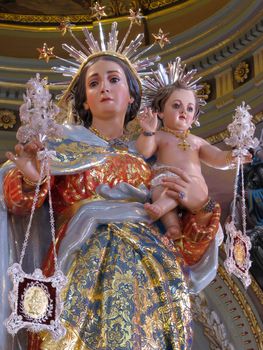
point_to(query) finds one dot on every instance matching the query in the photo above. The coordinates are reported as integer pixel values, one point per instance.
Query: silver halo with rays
(92, 49)
(162, 77)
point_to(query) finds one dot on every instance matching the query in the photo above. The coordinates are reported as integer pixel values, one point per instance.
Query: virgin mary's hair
(165, 92)
(80, 92)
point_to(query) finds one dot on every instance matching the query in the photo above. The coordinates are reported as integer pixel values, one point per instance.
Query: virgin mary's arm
(199, 230)
(19, 195)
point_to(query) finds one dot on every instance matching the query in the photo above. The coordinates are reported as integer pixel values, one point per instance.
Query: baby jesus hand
(148, 120)
(232, 159)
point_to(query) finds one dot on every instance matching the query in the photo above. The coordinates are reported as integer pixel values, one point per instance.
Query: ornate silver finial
(37, 113)
(238, 244)
(242, 131)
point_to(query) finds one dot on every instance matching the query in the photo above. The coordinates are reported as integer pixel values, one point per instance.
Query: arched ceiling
(38, 20)
(223, 39)
(44, 11)
(212, 36)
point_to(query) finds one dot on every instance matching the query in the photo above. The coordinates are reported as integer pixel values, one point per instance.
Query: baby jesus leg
(161, 203)
(172, 224)
(163, 207)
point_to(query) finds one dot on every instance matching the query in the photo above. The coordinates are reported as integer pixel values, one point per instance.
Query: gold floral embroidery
(128, 290)
(71, 341)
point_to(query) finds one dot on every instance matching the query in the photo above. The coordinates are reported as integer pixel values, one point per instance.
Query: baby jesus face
(179, 110)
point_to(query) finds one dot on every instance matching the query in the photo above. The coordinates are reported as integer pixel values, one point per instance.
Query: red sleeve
(196, 238)
(17, 200)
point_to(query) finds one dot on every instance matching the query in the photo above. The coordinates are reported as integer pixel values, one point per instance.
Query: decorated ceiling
(115, 8)
(221, 39)
(80, 7)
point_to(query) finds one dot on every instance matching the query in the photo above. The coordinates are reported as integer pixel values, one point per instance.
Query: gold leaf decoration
(241, 72)
(7, 119)
(205, 91)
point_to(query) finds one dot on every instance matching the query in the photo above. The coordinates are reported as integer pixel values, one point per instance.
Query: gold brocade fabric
(125, 291)
(115, 169)
(70, 341)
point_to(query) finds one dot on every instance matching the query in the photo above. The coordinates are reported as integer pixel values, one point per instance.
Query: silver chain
(240, 169)
(235, 189)
(44, 168)
(243, 199)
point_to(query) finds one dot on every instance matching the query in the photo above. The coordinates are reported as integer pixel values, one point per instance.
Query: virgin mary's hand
(25, 159)
(190, 191)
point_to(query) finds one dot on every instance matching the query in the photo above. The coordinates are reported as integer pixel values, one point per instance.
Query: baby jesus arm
(216, 158)
(147, 142)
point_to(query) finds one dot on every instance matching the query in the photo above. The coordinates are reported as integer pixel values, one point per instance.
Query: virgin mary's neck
(109, 129)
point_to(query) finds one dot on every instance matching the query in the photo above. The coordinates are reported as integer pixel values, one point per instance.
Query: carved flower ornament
(7, 119)
(241, 72)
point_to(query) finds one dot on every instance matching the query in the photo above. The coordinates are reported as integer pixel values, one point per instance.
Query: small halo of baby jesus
(174, 146)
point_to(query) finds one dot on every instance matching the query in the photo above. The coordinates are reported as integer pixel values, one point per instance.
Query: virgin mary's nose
(104, 86)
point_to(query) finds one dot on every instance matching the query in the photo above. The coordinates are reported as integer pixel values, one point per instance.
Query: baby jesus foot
(153, 210)
(173, 232)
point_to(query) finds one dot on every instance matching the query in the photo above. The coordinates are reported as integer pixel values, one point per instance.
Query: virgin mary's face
(107, 91)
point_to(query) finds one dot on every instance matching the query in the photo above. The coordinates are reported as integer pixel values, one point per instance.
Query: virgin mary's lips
(106, 99)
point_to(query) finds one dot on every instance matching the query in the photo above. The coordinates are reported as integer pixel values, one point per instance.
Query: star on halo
(136, 17)
(65, 26)
(161, 38)
(46, 52)
(98, 11)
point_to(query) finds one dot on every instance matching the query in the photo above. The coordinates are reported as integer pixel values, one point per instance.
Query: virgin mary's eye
(93, 84)
(114, 80)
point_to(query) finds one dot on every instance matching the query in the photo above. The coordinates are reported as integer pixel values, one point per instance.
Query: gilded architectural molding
(258, 118)
(214, 329)
(206, 90)
(224, 83)
(258, 61)
(240, 297)
(6, 102)
(219, 137)
(156, 5)
(24, 70)
(257, 290)
(220, 61)
(38, 19)
(114, 9)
